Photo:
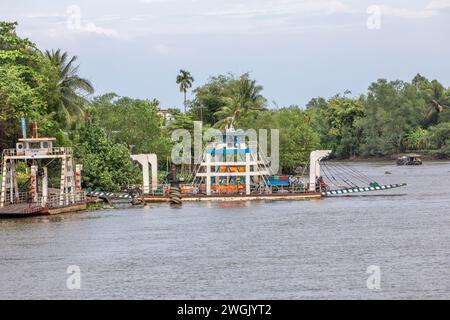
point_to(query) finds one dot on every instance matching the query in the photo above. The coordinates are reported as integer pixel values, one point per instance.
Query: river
(314, 249)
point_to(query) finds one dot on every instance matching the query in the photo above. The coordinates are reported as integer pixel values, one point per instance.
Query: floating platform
(236, 197)
(22, 210)
(29, 210)
(361, 189)
(39, 199)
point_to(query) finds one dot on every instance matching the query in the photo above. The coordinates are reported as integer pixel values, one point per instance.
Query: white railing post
(45, 187)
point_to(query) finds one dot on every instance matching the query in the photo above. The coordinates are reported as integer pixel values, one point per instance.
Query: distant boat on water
(409, 160)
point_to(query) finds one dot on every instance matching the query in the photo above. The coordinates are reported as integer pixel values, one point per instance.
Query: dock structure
(314, 167)
(145, 160)
(233, 168)
(34, 196)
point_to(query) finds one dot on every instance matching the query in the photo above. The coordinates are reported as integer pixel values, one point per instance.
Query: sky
(295, 49)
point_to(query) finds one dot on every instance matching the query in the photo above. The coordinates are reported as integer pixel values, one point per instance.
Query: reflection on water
(232, 204)
(253, 250)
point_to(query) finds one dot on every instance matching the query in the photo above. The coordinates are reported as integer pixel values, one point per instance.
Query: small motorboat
(409, 160)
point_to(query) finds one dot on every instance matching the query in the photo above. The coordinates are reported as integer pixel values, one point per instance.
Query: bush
(106, 165)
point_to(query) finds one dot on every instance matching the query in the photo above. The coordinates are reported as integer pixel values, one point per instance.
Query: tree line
(45, 87)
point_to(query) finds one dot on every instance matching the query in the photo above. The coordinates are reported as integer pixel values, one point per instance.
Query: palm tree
(242, 96)
(228, 114)
(69, 90)
(436, 97)
(185, 80)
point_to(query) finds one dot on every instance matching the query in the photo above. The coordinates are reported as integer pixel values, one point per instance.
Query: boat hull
(237, 197)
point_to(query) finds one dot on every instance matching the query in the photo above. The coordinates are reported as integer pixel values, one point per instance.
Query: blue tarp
(276, 182)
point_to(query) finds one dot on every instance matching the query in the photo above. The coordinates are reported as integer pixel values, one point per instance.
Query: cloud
(231, 16)
(257, 9)
(433, 8)
(162, 49)
(162, 17)
(407, 13)
(43, 15)
(438, 5)
(93, 28)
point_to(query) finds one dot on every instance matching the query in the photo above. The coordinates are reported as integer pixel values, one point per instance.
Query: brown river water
(314, 249)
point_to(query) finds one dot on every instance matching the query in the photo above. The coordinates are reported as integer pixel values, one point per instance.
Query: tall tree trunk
(201, 113)
(184, 101)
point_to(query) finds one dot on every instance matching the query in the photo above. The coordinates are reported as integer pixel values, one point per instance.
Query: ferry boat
(34, 197)
(233, 169)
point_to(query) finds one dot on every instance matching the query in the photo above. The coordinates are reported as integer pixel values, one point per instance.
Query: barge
(233, 168)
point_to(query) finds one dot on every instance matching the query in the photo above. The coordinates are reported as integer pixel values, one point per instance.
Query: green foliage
(225, 98)
(440, 136)
(67, 90)
(437, 98)
(338, 123)
(418, 139)
(297, 138)
(209, 99)
(106, 164)
(392, 109)
(17, 97)
(242, 96)
(132, 122)
(24, 76)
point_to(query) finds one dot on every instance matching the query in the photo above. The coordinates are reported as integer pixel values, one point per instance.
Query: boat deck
(236, 197)
(29, 209)
(22, 209)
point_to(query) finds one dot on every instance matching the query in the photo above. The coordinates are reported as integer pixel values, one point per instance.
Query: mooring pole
(45, 187)
(33, 183)
(78, 169)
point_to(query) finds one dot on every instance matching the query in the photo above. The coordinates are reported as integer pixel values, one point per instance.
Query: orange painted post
(33, 183)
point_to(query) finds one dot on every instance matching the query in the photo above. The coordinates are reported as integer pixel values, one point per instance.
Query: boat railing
(51, 201)
(56, 151)
(200, 189)
(57, 200)
(19, 198)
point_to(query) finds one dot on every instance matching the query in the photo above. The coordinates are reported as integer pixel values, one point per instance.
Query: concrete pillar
(15, 182)
(78, 169)
(146, 175)
(45, 187)
(208, 174)
(11, 181)
(247, 173)
(62, 188)
(153, 160)
(145, 160)
(3, 190)
(34, 183)
(71, 180)
(314, 166)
